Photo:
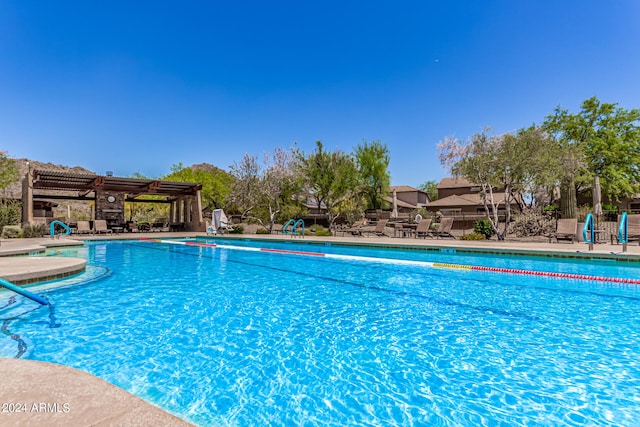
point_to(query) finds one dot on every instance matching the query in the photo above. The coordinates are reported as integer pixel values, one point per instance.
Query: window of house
(454, 211)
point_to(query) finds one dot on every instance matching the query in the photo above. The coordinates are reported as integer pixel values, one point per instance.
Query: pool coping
(33, 269)
(42, 393)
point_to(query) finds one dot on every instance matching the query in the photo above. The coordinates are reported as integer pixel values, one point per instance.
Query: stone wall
(110, 206)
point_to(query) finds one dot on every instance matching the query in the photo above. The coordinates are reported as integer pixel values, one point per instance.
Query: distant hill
(207, 167)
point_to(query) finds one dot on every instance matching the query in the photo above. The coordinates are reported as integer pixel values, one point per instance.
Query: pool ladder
(295, 226)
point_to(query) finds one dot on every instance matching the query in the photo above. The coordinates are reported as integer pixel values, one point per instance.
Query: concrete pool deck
(66, 396)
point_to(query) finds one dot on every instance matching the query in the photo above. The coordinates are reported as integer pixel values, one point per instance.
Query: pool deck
(58, 395)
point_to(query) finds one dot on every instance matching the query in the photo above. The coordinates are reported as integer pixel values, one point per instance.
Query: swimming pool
(225, 336)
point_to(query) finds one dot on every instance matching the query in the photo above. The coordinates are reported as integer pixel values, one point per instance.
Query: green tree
(10, 210)
(330, 177)
(8, 172)
(602, 139)
(373, 167)
(431, 188)
(216, 183)
(505, 164)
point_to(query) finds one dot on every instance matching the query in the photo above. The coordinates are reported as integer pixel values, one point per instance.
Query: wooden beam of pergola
(85, 184)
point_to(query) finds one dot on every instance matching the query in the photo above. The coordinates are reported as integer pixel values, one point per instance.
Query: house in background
(408, 200)
(412, 198)
(462, 199)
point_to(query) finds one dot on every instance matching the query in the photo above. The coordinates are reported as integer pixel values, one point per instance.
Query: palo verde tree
(602, 139)
(261, 190)
(502, 165)
(245, 192)
(279, 181)
(373, 167)
(330, 178)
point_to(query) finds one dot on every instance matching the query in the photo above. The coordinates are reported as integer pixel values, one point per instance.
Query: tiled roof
(463, 200)
(403, 189)
(455, 182)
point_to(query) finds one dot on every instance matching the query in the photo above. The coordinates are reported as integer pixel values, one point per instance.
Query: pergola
(110, 193)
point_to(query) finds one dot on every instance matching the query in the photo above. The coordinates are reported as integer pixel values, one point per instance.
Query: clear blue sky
(137, 86)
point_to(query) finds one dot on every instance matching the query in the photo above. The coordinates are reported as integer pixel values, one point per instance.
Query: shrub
(532, 223)
(10, 212)
(11, 231)
(484, 228)
(262, 231)
(37, 230)
(473, 236)
(237, 229)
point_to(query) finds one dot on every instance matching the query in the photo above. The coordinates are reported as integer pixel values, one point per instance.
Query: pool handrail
(623, 229)
(52, 228)
(295, 227)
(25, 293)
(284, 227)
(588, 228)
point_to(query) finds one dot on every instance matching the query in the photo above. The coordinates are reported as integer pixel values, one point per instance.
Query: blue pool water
(231, 337)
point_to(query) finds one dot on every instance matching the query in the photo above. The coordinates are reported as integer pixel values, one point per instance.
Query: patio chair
(566, 229)
(379, 230)
(355, 229)
(83, 227)
(444, 229)
(100, 226)
(144, 227)
(423, 229)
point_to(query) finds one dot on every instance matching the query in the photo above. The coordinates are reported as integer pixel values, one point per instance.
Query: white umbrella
(597, 197)
(394, 210)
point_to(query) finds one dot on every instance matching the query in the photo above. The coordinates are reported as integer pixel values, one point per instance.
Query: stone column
(27, 199)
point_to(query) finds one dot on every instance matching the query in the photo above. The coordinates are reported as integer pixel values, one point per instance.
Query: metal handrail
(623, 229)
(588, 228)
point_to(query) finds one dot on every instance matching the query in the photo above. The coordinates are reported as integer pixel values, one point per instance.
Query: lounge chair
(379, 230)
(100, 226)
(423, 229)
(144, 227)
(355, 229)
(566, 229)
(83, 228)
(160, 226)
(444, 229)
